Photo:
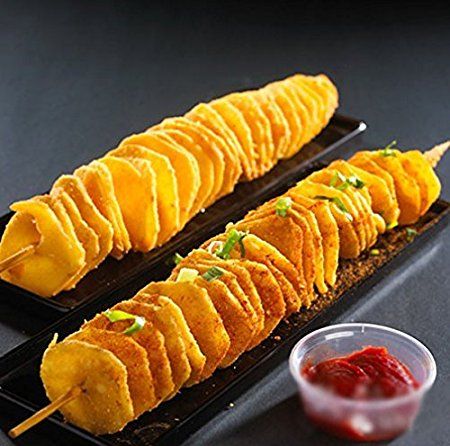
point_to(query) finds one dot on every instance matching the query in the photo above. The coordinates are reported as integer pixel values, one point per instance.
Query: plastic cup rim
(378, 403)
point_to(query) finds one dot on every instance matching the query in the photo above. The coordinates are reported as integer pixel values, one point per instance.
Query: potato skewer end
(434, 155)
(16, 258)
(45, 412)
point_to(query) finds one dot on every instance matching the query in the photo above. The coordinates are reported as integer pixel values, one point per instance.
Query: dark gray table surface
(76, 76)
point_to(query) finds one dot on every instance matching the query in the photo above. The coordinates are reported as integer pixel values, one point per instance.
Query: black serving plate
(135, 269)
(21, 391)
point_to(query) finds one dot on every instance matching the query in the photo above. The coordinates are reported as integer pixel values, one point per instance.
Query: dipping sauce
(371, 373)
(368, 374)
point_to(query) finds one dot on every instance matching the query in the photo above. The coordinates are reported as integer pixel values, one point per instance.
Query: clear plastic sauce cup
(361, 420)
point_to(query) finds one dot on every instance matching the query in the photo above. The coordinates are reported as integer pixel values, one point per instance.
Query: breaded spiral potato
(226, 297)
(143, 192)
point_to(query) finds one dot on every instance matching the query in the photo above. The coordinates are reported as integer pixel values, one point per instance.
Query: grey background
(76, 76)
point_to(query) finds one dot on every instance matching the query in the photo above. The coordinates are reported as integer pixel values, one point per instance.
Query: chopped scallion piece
(118, 315)
(234, 236)
(338, 202)
(354, 181)
(410, 234)
(341, 182)
(177, 258)
(187, 275)
(174, 260)
(389, 150)
(212, 274)
(374, 252)
(283, 205)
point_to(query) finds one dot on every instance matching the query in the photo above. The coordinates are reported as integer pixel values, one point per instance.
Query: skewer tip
(435, 154)
(45, 412)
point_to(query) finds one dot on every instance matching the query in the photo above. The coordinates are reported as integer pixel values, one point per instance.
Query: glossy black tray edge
(19, 407)
(113, 276)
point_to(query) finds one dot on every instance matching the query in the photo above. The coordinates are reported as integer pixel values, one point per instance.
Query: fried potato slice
(170, 321)
(132, 355)
(235, 319)
(363, 218)
(306, 256)
(288, 103)
(75, 189)
(280, 130)
(149, 337)
(185, 166)
(270, 294)
(201, 316)
(211, 119)
(236, 121)
(349, 243)
(406, 187)
(418, 167)
(365, 163)
(237, 118)
(135, 186)
(351, 202)
(259, 250)
(85, 234)
(328, 230)
(317, 241)
(167, 199)
(244, 280)
(98, 182)
(233, 282)
(209, 144)
(56, 257)
(312, 258)
(306, 109)
(270, 304)
(327, 92)
(194, 354)
(69, 231)
(286, 237)
(255, 247)
(173, 342)
(260, 127)
(104, 406)
(384, 202)
(310, 100)
(274, 303)
(206, 168)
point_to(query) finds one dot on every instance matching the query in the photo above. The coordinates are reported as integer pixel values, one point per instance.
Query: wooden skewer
(45, 412)
(435, 154)
(16, 258)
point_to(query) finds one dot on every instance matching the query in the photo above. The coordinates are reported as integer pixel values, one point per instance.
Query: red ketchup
(369, 374)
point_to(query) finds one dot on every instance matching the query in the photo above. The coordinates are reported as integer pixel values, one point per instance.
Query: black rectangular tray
(21, 391)
(133, 270)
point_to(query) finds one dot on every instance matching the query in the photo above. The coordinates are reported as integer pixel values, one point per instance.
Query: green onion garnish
(389, 149)
(341, 182)
(410, 234)
(234, 236)
(338, 202)
(374, 252)
(118, 315)
(283, 205)
(177, 258)
(174, 260)
(213, 273)
(354, 181)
